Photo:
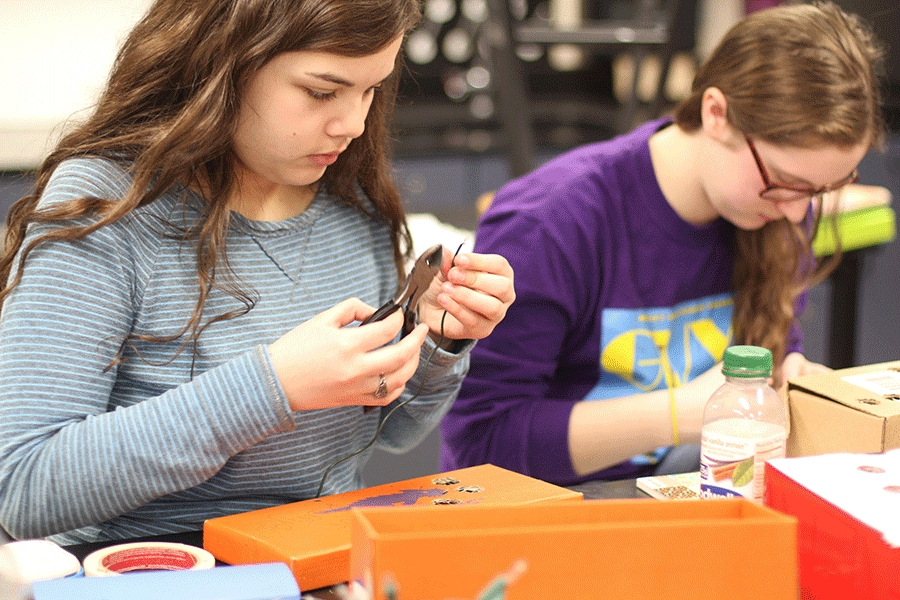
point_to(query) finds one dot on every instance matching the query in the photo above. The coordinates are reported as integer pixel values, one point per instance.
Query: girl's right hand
(323, 364)
(691, 399)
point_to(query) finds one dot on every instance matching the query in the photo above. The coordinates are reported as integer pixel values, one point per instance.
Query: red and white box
(848, 512)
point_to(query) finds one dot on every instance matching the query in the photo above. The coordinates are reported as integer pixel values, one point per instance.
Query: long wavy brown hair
(802, 76)
(172, 101)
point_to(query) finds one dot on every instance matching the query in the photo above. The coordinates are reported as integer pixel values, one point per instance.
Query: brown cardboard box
(848, 410)
(641, 549)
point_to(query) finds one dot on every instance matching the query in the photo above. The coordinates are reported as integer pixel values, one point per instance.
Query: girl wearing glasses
(640, 259)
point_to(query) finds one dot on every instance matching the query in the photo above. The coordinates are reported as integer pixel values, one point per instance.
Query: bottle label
(733, 453)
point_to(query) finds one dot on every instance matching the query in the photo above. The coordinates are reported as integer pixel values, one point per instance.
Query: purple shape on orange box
(401, 498)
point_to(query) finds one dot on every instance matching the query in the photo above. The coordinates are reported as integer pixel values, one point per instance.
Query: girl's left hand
(474, 289)
(794, 365)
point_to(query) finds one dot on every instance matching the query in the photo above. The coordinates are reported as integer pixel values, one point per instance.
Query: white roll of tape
(146, 556)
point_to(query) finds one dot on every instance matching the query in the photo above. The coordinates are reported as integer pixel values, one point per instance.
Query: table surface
(593, 490)
(608, 490)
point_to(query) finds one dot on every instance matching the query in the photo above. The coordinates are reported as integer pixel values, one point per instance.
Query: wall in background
(55, 56)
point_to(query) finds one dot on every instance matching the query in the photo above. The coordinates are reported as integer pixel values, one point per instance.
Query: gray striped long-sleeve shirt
(157, 444)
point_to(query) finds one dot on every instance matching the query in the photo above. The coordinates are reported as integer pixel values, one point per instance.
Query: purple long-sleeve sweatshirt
(611, 285)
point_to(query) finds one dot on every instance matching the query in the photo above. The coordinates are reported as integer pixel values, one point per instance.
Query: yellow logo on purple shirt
(646, 349)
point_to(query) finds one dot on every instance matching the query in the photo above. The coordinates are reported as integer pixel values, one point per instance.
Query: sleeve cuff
(446, 357)
(273, 390)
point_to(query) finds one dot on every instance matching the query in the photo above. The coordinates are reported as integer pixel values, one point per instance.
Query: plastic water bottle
(745, 424)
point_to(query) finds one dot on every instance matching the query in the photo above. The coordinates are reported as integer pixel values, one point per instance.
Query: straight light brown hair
(802, 76)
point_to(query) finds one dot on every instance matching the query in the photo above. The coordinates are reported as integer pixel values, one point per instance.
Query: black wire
(402, 404)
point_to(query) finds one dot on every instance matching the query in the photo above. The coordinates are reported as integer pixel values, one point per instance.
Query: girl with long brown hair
(177, 290)
(640, 259)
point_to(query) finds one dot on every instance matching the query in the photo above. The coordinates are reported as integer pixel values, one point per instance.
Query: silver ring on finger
(382, 390)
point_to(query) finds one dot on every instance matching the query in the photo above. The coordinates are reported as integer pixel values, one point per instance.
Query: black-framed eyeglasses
(787, 193)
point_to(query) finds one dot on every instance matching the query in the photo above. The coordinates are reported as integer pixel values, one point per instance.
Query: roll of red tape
(146, 556)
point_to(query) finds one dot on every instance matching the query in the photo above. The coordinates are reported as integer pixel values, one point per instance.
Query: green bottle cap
(747, 361)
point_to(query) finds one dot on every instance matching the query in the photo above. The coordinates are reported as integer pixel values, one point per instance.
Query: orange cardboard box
(313, 536)
(848, 410)
(628, 549)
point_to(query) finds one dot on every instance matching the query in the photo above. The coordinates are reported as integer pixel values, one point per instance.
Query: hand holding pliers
(423, 272)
